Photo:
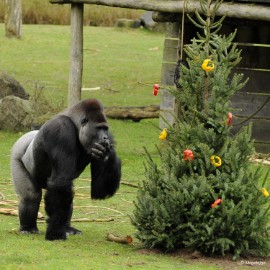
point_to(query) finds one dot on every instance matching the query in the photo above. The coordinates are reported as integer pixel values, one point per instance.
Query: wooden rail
(232, 9)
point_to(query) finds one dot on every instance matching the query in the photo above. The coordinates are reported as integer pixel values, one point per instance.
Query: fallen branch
(260, 161)
(107, 208)
(129, 184)
(14, 212)
(87, 220)
(2, 196)
(92, 220)
(134, 113)
(11, 203)
(122, 240)
(9, 211)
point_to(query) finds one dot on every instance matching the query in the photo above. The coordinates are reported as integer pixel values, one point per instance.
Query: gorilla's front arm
(106, 176)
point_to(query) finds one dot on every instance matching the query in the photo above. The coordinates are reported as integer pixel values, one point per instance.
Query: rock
(16, 114)
(148, 23)
(9, 86)
(127, 23)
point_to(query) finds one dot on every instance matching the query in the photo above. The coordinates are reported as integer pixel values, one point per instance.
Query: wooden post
(168, 106)
(13, 18)
(76, 54)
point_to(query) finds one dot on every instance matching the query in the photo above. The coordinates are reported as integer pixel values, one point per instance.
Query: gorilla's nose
(106, 142)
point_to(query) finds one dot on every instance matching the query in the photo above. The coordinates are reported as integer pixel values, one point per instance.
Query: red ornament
(156, 88)
(229, 118)
(216, 202)
(188, 155)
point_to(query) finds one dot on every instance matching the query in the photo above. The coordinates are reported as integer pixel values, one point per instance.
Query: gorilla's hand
(101, 151)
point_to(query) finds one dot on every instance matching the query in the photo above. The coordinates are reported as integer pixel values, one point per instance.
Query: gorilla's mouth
(106, 143)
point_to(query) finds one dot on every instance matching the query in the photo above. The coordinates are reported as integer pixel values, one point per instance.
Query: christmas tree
(202, 193)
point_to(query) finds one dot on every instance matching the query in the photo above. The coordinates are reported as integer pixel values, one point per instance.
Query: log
(234, 10)
(134, 113)
(119, 239)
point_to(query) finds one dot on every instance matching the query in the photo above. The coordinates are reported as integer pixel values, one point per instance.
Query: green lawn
(125, 64)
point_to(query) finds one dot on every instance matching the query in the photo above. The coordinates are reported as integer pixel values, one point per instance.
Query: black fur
(57, 154)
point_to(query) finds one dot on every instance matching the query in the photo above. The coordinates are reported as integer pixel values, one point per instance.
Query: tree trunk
(13, 18)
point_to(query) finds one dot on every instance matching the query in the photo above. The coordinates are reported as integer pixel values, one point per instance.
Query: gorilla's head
(91, 122)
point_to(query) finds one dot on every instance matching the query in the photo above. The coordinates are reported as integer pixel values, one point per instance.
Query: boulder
(9, 86)
(16, 114)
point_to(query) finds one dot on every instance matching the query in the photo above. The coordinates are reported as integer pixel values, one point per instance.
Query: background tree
(202, 193)
(13, 18)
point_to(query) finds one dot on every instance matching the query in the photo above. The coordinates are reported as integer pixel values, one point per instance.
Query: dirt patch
(221, 262)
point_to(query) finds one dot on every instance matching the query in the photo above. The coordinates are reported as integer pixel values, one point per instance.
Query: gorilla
(54, 156)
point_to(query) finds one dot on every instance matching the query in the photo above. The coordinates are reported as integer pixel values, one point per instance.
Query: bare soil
(221, 262)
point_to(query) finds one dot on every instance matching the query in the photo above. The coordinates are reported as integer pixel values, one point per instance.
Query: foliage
(210, 201)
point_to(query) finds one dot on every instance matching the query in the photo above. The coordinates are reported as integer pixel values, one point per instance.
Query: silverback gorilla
(54, 156)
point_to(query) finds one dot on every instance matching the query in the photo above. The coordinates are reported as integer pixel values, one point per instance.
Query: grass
(114, 59)
(125, 64)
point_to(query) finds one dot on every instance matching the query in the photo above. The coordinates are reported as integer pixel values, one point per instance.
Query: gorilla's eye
(84, 121)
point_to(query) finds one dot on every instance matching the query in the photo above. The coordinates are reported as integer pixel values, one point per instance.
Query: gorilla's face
(92, 133)
(92, 125)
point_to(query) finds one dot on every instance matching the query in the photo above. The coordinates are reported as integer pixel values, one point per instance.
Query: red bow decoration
(156, 88)
(216, 202)
(188, 155)
(229, 118)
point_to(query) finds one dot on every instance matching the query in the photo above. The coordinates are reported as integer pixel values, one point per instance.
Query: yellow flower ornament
(163, 135)
(208, 65)
(216, 161)
(265, 192)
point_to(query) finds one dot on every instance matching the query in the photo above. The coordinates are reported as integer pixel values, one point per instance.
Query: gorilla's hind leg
(29, 196)
(69, 229)
(58, 200)
(28, 211)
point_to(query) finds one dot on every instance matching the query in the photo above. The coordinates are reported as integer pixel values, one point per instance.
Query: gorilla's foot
(72, 231)
(29, 231)
(55, 234)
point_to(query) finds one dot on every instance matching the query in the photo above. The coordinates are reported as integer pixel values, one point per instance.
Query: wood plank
(170, 50)
(262, 147)
(246, 104)
(235, 10)
(259, 80)
(254, 57)
(260, 129)
(170, 57)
